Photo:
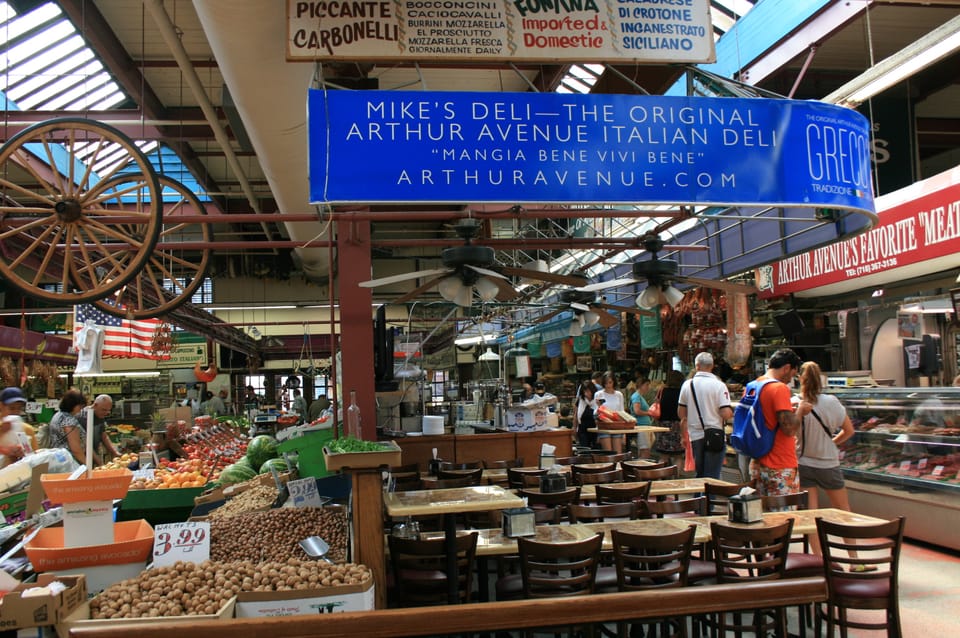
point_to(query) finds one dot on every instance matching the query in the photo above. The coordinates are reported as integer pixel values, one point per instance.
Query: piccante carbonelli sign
(435, 146)
(639, 31)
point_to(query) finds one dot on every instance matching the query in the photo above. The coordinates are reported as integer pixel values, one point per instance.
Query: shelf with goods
(904, 457)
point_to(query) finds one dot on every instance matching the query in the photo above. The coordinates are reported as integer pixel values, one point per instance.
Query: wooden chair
(464, 465)
(515, 476)
(596, 478)
(405, 478)
(751, 554)
(862, 564)
(573, 460)
(611, 457)
(643, 464)
(654, 561)
(419, 569)
(443, 484)
(674, 509)
(474, 475)
(718, 495)
(585, 513)
(503, 464)
(577, 469)
(619, 493)
(552, 500)
(657, 474)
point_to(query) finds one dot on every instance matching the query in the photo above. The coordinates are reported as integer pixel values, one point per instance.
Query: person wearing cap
(12, 405)
(540, 391)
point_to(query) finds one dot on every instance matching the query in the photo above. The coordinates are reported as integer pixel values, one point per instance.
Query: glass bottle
(353, 417)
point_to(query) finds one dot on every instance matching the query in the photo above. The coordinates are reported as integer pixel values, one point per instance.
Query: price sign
(922, 463)
(937, 471)
(303, 493)
(904, 465)
(148, 474)
(188, 541)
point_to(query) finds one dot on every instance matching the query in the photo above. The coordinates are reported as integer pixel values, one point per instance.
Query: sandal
(859, 569)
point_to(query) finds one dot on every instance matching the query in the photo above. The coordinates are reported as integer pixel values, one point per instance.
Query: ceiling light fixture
(649, 298)
(656, 294)
(486, 288)
(489, 355)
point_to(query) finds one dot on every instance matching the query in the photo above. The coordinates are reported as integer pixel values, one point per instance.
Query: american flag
(122, 338)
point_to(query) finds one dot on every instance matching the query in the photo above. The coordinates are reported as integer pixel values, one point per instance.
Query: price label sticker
(148, 474)
(937, 471)
(303, 493)
(189, 541)
(922, 463)
(905, 465)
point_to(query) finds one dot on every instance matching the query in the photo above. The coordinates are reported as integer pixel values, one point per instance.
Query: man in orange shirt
(776, 473)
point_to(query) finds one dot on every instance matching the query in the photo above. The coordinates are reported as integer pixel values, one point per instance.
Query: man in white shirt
(705, 405)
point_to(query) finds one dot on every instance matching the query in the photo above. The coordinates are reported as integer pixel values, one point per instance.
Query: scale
(265, 422)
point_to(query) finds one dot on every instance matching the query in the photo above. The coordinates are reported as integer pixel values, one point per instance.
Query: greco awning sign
(639, 31)
(395, 146)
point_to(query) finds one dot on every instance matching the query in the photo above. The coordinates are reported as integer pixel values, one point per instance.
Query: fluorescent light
(472, 341)
(115, 374)
(931, 48)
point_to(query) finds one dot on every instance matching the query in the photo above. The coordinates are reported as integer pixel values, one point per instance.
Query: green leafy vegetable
(349, 444)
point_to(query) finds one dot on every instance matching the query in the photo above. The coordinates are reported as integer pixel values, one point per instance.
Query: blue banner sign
(397, 146)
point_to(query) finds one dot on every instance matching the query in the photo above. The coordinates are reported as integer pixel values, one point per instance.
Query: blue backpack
(751, 436)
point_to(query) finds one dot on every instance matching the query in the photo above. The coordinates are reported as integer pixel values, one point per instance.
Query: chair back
(599, 457)
(754, 553)
(584, 513)
(515, 475)
(644, 464)
(670, 509)
(657, 474)
(652, 561)
(448, 483)
(595, 478)
(405, 478)
(573, 460)
(475, 475)
(592, 468)
(846, 548)
(621, 493)
(784, 502)
(503, 464)
(559, 569)
(556, 501)
(718, 495)
(419, 569)
(463, 465)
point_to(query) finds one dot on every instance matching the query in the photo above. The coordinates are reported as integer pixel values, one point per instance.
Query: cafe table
(636, 431)
(450, 502)
(662, 487)
(499, 474)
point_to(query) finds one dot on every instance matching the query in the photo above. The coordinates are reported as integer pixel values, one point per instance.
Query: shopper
(703, 407)
(65, 429)
(640, 409)
(612, 399)
(217, 405)
(776, 473)
(583, 419)
(669, 445)
(299, 404)
(12, 447)
(317, 408)
(102, 407)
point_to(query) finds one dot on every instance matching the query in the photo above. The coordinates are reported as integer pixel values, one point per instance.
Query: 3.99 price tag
(188, 541)
(303, 493)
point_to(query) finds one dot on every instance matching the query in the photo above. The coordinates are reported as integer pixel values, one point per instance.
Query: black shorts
(829, 478)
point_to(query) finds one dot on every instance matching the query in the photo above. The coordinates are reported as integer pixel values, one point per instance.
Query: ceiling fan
(468, 269)
(588, 312)
(659, 273)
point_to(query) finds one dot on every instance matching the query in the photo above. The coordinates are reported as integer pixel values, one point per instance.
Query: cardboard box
(180, 413)
(527, 419)
(18, 611)
(100, 577)
(325, 600)
(81, 618)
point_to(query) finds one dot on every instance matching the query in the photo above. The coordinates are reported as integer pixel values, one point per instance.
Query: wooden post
(367, 496)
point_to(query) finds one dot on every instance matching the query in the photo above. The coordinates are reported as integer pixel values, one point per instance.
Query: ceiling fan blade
(695, 247)
(604, 285)
(607, 320)
(485, 271)
(549, 315)
(550, 277)
(407, 276)
(631, 309)
(507, 292)
(726, 286)
(416, 292)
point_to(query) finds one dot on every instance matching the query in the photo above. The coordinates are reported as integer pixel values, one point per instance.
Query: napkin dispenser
(553, 482)
(745, 507)
(518, 521)
(548, 456)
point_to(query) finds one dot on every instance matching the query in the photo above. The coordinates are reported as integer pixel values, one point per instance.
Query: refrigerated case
(905, 457)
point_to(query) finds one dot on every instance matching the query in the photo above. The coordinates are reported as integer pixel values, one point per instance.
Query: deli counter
(905, 457)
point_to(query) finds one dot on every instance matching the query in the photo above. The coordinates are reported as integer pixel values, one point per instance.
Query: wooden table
(636, 431)
(492, 542)
(499, 474)
(661, 487)
(450, 502)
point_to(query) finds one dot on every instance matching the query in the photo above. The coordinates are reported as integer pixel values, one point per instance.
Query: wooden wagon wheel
(172, 273)
(57, 224)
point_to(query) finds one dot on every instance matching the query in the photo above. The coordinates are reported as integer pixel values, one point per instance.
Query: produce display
(257, 498)
(189, 589)
(275, 535)
(348, 444)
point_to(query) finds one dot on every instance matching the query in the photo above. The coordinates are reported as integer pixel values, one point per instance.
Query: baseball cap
(12, 395)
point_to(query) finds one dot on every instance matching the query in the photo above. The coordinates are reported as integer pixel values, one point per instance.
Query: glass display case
(909, 437)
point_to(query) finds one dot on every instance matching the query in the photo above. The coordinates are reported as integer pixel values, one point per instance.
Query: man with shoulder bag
(703, 408)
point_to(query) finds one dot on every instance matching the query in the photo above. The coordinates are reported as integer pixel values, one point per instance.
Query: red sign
(925, 228)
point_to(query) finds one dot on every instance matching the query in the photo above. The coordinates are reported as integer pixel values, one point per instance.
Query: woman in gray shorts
(825, 426)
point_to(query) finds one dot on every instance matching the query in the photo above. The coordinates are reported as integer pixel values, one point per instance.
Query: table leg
(450, 544)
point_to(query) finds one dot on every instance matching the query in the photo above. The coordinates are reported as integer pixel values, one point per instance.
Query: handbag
(689, 463)
(654, 410)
